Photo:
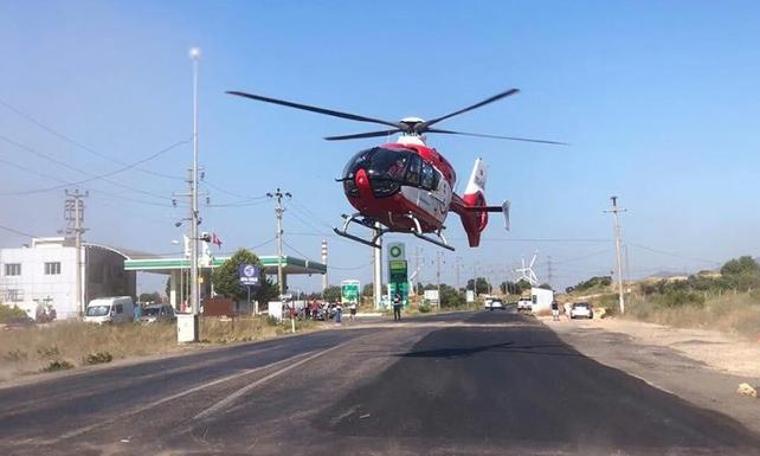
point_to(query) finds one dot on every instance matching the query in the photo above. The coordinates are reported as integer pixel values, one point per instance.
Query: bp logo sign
(396, 251)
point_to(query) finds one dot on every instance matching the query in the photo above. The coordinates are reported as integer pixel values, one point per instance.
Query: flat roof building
(43, 276)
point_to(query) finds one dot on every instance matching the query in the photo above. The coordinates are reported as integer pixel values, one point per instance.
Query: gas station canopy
(290, 265)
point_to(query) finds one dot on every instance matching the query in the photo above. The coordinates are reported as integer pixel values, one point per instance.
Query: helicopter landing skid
(379, 232)
(417, 231)
(365, 222)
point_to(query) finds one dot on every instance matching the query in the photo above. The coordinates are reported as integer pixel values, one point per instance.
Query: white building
(33, 277)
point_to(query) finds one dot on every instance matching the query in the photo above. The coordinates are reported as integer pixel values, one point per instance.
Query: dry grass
(735, 314)
(74, 343)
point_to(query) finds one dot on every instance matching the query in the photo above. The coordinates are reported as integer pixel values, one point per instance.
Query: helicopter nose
(362, 183)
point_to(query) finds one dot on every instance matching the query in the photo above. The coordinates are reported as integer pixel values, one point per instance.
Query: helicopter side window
(428, 177)
(413, 170)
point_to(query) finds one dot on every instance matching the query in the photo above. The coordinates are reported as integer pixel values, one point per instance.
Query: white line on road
(237, 394)
(164, 400)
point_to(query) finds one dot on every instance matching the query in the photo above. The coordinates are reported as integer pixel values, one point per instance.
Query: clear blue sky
(658, 99)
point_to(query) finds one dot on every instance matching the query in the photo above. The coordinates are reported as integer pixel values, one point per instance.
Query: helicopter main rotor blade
(370, 134)
(480, 135)
(328, 112)
(423, 126)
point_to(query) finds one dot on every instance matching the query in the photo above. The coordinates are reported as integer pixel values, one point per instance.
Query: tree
(741, 273)
(480, 285)
(521, 286)
(741, 265)
(451, 297)
(150, 297)
(332, 293)
(596, 281)
(226, 279)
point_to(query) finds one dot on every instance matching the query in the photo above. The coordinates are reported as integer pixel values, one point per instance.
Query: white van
(119, 309)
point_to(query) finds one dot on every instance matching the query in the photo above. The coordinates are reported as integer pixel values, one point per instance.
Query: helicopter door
(433, 194)
(441, 196)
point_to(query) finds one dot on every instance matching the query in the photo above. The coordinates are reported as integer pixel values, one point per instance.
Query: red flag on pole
(216, 240)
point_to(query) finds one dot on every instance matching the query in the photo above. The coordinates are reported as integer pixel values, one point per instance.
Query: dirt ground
(720, 351)
(701, 366)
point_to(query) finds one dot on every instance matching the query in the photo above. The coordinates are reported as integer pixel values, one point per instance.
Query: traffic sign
(249, 275)
(396, 251)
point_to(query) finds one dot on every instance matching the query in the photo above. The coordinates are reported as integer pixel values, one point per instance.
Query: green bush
(15, 356)
(680, 298)
(57, 365)
(8, 313)
(594, 282)
(98, 358)
(424, 308)
(51, 352)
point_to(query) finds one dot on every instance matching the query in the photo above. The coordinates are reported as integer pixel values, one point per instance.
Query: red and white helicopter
(406, 186)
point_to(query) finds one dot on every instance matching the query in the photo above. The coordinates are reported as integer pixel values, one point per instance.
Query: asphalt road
(477, 383)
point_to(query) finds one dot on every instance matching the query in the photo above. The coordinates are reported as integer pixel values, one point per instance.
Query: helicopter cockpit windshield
(387, 170)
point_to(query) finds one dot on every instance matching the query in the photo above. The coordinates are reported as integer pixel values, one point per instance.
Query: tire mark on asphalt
(224, 403)
(155, 404)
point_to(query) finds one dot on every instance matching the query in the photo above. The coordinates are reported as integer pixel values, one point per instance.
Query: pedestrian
(138, 312)
(338, 313)
(555, 310)
(352, 309)
(397, 307)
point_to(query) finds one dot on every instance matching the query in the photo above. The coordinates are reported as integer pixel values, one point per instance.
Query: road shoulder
(692, 364)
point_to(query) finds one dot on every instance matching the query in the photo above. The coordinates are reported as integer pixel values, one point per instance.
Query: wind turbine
(526, 272)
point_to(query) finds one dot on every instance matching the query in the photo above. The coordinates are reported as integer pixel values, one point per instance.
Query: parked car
(494, 304)
(117, 309)
(158, 313)
(581, 310)
(525, 305)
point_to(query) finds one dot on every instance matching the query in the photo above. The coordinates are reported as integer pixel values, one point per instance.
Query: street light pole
(195, 55)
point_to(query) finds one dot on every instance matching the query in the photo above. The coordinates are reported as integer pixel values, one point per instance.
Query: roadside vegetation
(727, 300)
(68, 344)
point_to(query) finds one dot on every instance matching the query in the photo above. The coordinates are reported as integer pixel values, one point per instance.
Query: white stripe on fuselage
(434, 202)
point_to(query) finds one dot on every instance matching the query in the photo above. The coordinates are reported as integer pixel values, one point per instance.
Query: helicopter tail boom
(472, 208)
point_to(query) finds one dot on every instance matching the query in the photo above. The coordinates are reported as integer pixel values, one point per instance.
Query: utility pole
(325, 282)
(458, 261)
(549, 267)
(417, 268)
(278, 195)
(74, 215)
(438, 256)
(615, 210)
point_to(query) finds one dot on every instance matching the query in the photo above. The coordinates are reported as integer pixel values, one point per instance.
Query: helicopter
(408, 186)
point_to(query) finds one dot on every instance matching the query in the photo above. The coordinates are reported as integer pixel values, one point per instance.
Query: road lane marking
(237, 394)
(175, 396)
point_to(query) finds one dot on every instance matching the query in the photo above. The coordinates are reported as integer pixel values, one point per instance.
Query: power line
(236, 195)
(671, 254)
(582, 257)
(92, 177)
(489, 239)
(15, 231)
(67, 183)
(76, 143)
(238, 204)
